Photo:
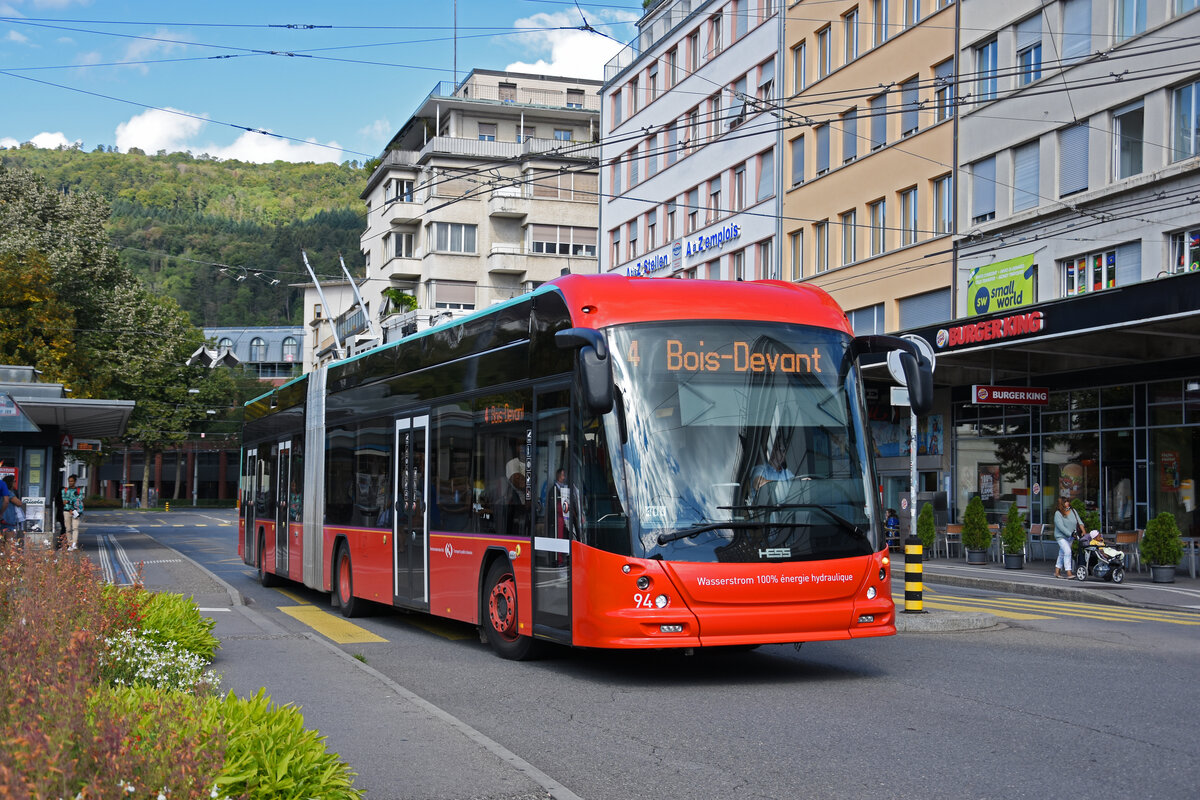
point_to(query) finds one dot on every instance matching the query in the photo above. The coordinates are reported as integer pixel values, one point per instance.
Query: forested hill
(174, 216)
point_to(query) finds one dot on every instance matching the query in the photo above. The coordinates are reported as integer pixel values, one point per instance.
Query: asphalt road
(1067, 705)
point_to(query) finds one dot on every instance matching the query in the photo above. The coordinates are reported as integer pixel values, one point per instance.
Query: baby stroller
(1096, 558)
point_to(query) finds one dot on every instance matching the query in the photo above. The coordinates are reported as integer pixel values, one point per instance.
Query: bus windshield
(743, 442)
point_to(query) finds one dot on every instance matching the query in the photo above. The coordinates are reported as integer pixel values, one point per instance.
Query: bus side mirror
(595, 368)
(918, 377)
(918, 370)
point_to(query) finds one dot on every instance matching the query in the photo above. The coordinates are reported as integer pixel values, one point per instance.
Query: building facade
(689, 143)
(275, 353)
(487, 191)
(1077, 256)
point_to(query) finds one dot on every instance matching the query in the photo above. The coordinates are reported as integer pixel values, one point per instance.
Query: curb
(235, 597)
(945, 621)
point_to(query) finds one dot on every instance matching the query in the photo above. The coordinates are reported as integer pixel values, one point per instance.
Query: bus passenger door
(556, 517)
(249, 477)
(410, 520)
(283, 492)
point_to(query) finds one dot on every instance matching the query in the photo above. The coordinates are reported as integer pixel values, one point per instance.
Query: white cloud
(572, 53)
(156, 130)
(263, 149)
(377, 129)
(159, 44)
(44, 140)
(13, 36)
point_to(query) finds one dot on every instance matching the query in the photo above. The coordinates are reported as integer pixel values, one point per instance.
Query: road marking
(1013, 607)
(437, 628)
(333, 628)
(294, 598)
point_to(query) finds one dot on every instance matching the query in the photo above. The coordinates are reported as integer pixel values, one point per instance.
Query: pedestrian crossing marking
(1020, 607)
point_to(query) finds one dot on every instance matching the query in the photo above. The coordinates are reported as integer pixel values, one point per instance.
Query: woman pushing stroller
(1066, 524)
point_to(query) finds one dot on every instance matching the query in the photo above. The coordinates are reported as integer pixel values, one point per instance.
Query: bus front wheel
(265, 578)
(350, 605)
(500, 614)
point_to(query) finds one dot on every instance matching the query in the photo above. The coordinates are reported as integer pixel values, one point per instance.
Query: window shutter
(878, 121)
(454, 292)
(797, 160)
(925, 309)
(822, 149)
(1026, 168)
(983, 187)
(1073, 160)
(766, 175)
(1029, 31)
(1129, 263)
(850, 135)
(1077, 28)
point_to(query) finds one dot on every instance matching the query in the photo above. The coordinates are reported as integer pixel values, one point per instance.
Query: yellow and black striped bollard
(913, 571)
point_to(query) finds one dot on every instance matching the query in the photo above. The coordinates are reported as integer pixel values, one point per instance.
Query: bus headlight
(661, 601)
(870, 592)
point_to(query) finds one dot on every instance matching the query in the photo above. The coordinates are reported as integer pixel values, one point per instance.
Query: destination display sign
(679, 355)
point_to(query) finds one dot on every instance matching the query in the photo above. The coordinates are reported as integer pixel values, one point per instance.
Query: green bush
(1161, 545)
(174, 618)
(269, 753)
(975, 533)
(926, 528)
(100, 501)
(1013, 534)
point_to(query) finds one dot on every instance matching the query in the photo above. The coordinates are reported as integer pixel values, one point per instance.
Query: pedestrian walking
(72, 505)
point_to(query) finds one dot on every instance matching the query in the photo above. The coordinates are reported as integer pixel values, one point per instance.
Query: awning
(84, 419)
(1125, 334)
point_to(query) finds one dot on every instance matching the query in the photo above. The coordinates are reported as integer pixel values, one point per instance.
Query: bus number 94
(643, 600)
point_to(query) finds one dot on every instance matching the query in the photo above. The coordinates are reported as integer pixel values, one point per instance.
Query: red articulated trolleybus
(605, 462)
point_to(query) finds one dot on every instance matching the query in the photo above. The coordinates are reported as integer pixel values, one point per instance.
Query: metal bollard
(168, 506)
(913, 570)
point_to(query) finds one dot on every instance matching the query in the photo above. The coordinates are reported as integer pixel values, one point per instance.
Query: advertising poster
(1002, 286)
(891, 438)
(1169, 479)
(989, 481)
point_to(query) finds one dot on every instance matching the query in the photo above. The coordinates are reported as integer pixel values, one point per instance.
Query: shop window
(1090, 273)
(1185, 251)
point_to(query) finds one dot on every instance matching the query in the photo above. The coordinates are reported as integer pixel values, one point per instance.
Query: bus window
(502, 481)
(451, 468)
(372, 473)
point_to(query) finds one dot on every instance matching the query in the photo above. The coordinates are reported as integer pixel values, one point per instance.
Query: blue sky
(201, 76)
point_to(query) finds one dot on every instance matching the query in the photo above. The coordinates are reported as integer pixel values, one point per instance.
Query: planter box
(1014, 561)
(977, 556)
(1162, 574)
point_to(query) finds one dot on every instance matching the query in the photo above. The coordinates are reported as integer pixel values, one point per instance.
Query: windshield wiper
(836, 517)
(687, 533)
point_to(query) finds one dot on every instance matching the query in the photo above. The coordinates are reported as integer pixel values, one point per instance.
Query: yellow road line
(333, 628)
(1052, 608)
(294, 598)
(438, 628)
(999, 612)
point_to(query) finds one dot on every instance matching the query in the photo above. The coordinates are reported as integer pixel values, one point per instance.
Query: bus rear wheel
(264, 578)
(350, 605)
(500, 614)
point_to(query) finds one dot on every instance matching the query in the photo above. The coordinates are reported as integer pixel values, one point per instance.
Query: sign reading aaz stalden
(1010, 395)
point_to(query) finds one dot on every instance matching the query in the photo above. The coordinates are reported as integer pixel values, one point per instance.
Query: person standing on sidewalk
(1066, 523)
(72, 505)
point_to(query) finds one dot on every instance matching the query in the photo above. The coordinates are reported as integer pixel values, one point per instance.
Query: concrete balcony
(506, 259)
(399, 212)
(508, 203)
(403, 269)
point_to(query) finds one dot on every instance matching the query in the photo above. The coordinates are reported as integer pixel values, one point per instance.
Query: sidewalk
(400, 745)
(1036, 578)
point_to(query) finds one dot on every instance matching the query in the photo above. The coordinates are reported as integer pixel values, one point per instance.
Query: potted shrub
(1162, 548)
(1013, 538)
(976, 537)
(926, 529)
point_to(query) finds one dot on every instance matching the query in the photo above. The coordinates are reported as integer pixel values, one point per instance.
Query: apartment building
(689, 143)
(868, 202)
(487, 191)
(1078, 251)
